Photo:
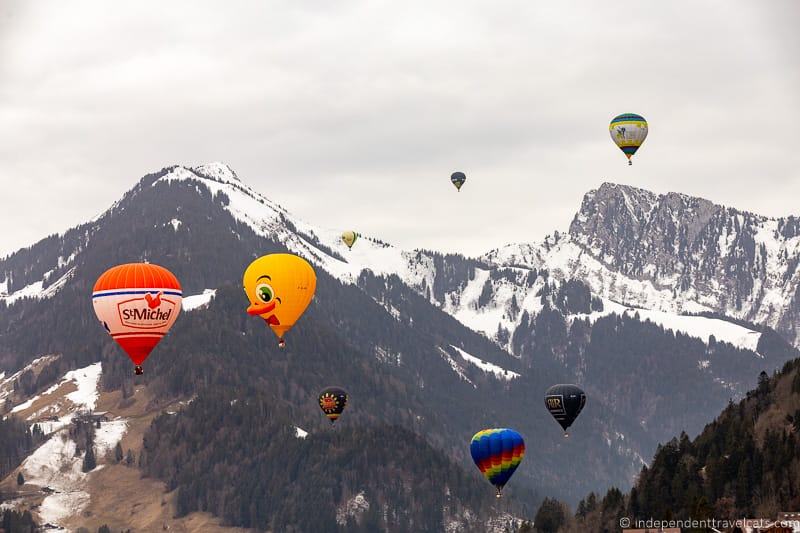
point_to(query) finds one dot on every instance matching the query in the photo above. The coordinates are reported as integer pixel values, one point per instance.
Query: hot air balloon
(628, 131)
(332, 401)
(349, 238)
(280, 287)
(458, 179)
(497, 453)
(137, 303)
(565, 403)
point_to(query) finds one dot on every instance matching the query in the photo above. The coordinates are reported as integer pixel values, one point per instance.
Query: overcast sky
(353, 114)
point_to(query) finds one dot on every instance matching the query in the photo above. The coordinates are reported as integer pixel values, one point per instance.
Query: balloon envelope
(497, 454)
(349, 238)
(279, 287)
(565, 403)
(332, 401)
(628, 131)
(137, 303)
(458, 179)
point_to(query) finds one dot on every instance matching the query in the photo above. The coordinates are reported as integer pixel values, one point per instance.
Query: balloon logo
(458, 179)
(628, 131)
(497, 454)
(332, 401)
(279, 287)
(565, 403)
(137, 303)
(349, 238)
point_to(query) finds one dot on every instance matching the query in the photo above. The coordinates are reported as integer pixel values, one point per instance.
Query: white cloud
(354, 113)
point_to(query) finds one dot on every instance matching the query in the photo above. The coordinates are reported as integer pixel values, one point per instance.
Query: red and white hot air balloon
(137, 303)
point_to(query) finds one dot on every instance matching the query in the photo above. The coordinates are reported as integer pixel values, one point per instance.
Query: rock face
(717, 258)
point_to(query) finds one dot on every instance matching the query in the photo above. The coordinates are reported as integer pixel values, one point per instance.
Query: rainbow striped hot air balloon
(628, 131)
(497, 453)
(137, 303)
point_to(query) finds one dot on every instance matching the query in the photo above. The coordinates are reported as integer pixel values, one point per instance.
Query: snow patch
(499, 372)
(55, 465)
(695, 326)
(455, 366)
(37, 290)
(300, 433)
(198, 301)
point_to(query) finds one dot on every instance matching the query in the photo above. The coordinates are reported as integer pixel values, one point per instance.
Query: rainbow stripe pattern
(497, 454)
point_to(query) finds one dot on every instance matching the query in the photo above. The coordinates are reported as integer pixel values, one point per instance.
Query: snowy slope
(490, 368)
(55, 464)
(694, 326)
(323, 247)
(36, 290)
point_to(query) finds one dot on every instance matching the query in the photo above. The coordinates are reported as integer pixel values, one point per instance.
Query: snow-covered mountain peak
(217, 170)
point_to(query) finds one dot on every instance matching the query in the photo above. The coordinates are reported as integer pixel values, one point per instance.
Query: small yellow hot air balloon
(349, 238)
(279, 287)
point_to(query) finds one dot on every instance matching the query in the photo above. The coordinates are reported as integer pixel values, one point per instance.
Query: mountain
(676, 253)
(429, 346)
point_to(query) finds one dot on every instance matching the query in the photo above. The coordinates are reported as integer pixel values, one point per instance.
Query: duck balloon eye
(265, 293)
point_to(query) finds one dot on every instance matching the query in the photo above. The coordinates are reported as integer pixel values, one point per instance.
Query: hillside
(746, 463)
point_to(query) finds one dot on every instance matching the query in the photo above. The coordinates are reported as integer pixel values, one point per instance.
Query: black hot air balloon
(332, 401)
(565, 403)
(458, 179)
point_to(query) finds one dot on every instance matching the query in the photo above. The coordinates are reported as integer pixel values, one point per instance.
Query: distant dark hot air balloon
(332, 401)
(458, 179)
(565, 403)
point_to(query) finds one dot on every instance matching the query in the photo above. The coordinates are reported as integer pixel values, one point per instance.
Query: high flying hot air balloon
(497, 453)
(280, 287)
(458, 179)
(628, 131)
(137, 303)
(349, 238)
(332, 401)
(565, 403)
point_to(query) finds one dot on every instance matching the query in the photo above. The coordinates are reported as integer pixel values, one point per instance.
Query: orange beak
(260, 309)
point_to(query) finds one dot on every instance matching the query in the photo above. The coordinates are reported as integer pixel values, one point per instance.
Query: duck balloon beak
(260, 309)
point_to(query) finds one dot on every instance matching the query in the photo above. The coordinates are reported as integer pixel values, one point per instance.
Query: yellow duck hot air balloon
(279, 287)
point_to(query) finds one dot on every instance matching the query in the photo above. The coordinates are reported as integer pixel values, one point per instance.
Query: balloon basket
(138, 370)
(281, 344)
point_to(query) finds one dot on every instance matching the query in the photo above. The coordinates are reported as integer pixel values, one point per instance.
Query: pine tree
(118, 452)
(89, 460)
(550, 517)
(129, 459)
(20, 478)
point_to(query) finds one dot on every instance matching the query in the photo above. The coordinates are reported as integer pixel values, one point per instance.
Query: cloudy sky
(353, 114)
